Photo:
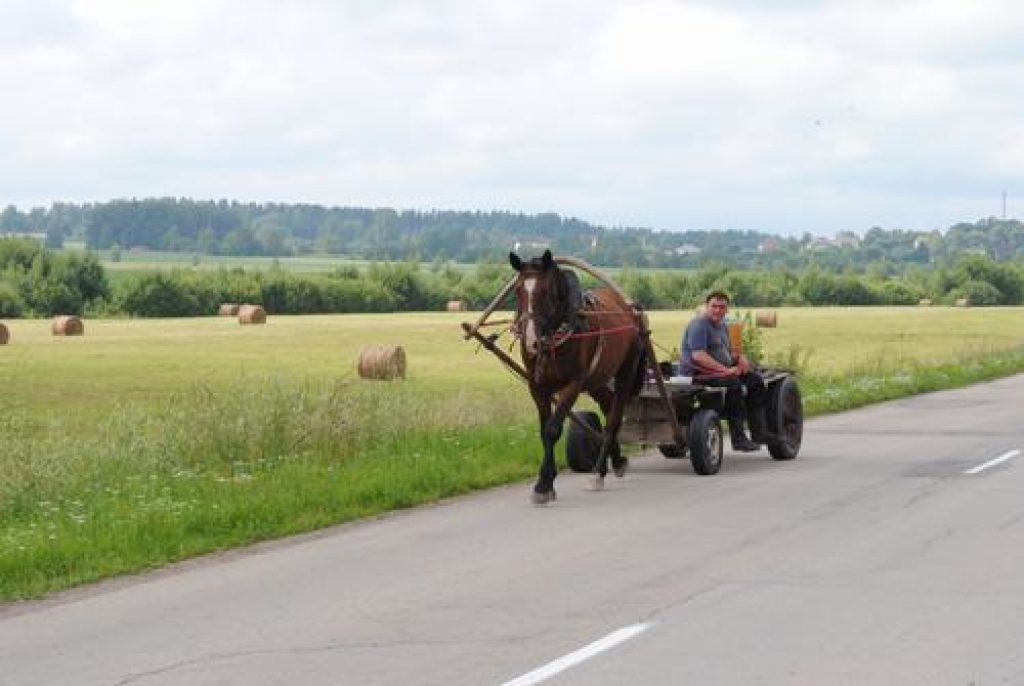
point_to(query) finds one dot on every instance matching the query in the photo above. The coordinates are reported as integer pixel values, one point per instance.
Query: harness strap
(561, 338)
(597, 358)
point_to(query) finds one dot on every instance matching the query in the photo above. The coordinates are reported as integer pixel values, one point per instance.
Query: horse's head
(542, 299)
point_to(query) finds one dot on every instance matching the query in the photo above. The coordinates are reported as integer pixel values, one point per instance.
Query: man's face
(717, 309)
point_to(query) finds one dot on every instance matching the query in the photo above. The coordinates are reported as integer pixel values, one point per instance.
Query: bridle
(531, 325)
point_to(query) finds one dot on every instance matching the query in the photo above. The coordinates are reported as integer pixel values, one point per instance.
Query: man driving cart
(709, 359)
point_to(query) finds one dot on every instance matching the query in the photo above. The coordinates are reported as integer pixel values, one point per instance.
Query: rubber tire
(582, 449)
(704, 436)
(785, 414)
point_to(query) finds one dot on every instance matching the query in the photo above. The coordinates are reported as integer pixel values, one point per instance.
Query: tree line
(387, 235)
(38, 282)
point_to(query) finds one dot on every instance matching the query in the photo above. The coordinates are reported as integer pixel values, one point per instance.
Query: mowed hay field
(146, 359)
(148, 441)
(143, 359)
(838, 340)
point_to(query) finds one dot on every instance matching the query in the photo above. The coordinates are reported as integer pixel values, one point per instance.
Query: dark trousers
(742, 392)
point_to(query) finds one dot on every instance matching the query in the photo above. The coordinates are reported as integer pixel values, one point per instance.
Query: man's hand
(742, 365)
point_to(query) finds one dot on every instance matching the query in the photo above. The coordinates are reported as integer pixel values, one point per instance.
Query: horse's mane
(560, 295)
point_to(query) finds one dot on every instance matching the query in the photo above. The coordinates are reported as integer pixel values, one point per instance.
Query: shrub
(167, 295)
(978, 293)
(11, 304)
(1004, 279)
(897, 293)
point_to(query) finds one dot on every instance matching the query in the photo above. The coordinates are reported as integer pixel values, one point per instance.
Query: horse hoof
(620, 470)
(596, 483)
(543, 498)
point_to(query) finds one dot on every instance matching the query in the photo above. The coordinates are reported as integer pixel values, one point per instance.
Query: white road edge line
(577, 656)
(992, 463)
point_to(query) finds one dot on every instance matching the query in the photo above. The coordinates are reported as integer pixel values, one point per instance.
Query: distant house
(847, 239)
(928, 240)
(532, 244)
(843, 239)
(687, 249)
(820, 243)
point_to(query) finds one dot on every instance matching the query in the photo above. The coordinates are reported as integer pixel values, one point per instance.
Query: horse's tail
(641, 368)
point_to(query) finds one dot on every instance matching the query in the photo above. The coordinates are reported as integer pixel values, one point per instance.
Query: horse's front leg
(551, 431)
(544, 489)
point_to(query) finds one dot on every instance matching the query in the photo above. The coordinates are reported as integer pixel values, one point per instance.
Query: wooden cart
(697, 409)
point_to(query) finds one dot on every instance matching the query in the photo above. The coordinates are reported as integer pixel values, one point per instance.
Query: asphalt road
(890, 552)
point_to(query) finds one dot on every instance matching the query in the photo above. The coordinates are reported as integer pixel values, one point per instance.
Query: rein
(561, 338)
(551, 350)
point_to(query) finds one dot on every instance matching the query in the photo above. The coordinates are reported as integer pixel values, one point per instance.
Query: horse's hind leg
(620, 464)
(624, 384)
(610, 447)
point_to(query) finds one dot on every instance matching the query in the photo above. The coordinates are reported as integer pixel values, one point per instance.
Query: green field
(142, 260)
(841, 339)
(148, 441)
(151, 260)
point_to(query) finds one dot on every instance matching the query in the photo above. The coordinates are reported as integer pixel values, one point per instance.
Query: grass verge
(215, 470)
(91, 489)
(874, 383)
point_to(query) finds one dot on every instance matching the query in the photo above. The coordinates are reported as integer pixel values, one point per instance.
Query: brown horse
(606, 359)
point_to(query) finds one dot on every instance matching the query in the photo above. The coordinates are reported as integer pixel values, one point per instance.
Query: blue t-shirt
(702, 334)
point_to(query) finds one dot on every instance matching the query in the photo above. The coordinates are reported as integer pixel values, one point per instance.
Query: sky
(784, 117)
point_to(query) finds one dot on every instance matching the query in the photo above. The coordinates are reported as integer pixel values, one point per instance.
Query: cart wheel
(672, 450)
(785, 419)
(704, 434)
(581, 447)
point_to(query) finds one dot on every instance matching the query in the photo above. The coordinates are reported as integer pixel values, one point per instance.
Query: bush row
(38, 282)
(408, 287)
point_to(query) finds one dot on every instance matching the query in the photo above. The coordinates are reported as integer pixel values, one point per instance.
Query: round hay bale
(252, 314)
(5, 335)
(382, 362)
(456, 306)
(229, 309)
(766, 319)
(925, 302)
(963, 302)
(67, 325)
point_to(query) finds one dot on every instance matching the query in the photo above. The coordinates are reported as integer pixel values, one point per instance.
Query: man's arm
(712, 366)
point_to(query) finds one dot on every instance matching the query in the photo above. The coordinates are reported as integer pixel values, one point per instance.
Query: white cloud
(783, 116)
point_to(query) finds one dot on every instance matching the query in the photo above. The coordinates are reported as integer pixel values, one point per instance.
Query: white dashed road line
(1005, 457)
(578, 656)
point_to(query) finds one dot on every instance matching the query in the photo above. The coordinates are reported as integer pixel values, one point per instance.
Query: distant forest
(387, 235)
